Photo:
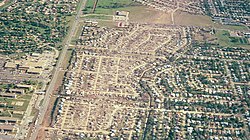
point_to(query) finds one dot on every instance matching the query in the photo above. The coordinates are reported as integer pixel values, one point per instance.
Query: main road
(58, 67)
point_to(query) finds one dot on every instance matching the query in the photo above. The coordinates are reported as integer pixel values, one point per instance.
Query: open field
(142, 14)
(150, 15)
(107, 6)
(99, 16)
(231, 27)
(226, 40)
(10, 105)
(204, 21)
(194, 20)
(110, 24)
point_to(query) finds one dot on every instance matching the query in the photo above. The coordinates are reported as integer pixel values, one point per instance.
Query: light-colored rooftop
(10, 65)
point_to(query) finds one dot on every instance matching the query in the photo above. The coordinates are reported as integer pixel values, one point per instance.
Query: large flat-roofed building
(10, 65)
(34, 71)
(35, 54)
(23, 67)
(34, 64)
(9, 120)
(8, 95)
(18, 91)
(121, 16)
(6, 128)
(24, 86)
(18, 112)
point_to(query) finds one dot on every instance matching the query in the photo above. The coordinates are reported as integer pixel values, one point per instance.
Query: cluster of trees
(26, 32)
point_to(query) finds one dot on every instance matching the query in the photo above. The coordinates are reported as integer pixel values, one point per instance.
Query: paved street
(52, 84)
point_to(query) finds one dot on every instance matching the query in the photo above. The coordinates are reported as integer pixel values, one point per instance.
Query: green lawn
(23, 107)
(25, 97)
(103, 17)
(230, 27)
(236, 27)
(108, 6)
(224, 39)
(9, 102)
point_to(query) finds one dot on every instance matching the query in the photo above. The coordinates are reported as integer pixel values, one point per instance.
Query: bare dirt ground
(186, 19)
(143, 14)
(41, 135)
(192, 20)
(47, 119)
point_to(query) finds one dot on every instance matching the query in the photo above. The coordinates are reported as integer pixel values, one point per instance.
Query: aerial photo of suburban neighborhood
(124, 69)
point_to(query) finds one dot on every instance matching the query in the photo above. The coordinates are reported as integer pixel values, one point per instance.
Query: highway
(58, 67)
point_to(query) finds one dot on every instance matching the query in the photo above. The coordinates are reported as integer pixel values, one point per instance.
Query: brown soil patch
(41, 134)
(143, 14)
(192, 20)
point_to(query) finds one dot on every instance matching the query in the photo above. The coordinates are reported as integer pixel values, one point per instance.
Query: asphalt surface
(58, 67)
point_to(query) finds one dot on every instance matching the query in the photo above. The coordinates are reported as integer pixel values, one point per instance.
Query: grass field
(110, 24)
(99, 16)
(66, 59)
(77, 33)
(108, 6)
(231, 27)
(10, 105)
(224, 39)
(20, 103)
(25, 97)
